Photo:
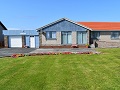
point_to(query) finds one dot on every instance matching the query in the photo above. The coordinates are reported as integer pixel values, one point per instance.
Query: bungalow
(63, 33)
(104, 34)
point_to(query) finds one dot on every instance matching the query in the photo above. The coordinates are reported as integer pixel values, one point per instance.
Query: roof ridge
(61, 20)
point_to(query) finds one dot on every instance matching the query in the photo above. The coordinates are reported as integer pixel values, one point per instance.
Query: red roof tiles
(102, 26)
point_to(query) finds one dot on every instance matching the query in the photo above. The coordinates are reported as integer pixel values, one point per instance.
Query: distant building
(2, 27)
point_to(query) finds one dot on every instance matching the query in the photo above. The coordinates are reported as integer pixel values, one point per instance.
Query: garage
(15, 41)
(21, 38)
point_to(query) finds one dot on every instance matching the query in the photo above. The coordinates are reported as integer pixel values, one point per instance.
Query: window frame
(50, 37)
(95, 35)
(113, 35)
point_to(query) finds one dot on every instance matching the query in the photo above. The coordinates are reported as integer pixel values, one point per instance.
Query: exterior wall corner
(6, 41)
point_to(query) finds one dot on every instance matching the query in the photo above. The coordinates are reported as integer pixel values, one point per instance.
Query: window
(82, 37)
(114, 35)
(66, 37)
(51, 35)
(95, 35)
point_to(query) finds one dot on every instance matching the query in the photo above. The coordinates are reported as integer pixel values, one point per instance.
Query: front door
(32, 42)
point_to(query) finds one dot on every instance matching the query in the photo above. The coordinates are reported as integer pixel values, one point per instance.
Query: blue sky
(32, 14)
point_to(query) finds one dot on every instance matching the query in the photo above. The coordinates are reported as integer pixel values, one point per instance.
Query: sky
(33, 14)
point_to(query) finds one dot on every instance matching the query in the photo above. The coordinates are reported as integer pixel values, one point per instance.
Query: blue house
(21, 38)
(63, 33)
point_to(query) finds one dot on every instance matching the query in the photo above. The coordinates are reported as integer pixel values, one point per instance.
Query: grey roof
(3, 25)
(62, 20)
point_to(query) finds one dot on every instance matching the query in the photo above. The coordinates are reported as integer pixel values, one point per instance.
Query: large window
(81, 37)
(51, 35)
(66, 37)
(95, 35)
(114, 35)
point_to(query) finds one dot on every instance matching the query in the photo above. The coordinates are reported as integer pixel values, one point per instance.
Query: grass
(62, 72)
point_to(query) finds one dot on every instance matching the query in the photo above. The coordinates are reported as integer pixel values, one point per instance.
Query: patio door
(82, 37)
(66, 37)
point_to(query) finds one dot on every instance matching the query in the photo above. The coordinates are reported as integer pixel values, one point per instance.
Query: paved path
(64, 50)
(10, 51)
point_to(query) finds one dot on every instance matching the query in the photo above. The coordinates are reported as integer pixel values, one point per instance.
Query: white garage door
(15, 41)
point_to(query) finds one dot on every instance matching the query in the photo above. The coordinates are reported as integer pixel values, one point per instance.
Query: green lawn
(62, 72)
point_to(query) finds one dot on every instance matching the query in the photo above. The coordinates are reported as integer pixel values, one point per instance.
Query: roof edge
(61, 20)
(3, 25)
(105, 30)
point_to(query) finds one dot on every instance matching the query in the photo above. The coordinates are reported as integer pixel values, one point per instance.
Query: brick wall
(6, 41)
(104, 44)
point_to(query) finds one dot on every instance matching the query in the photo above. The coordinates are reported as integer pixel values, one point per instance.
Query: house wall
(106, 36)
(74, 37)
(20, 32)
(54, 42)
(64, 26)
(105, 40)
(27, 41)
(1, 33)
(59, 27)
(57, 41)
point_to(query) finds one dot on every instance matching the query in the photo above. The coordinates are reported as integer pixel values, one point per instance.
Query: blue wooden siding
(37, 41)
(27, 39)
(64, 26)
(20, 32)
